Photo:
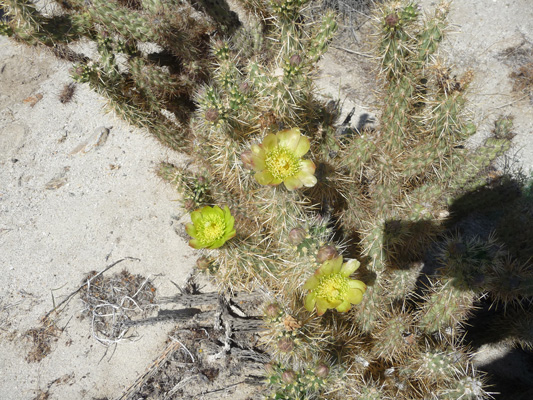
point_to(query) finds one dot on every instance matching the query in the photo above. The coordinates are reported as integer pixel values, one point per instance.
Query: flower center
(332, 287)
(282, 163)
(211, 229)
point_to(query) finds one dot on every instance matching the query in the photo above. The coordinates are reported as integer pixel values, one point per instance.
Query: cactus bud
(245, 87)
(212, 115)
(269, 368)
(272, 310)
(392, 20)
(327, 252)
(246, 158)
(295, 60)
(285, 344)
(288, 376)
(297, 236)
(203, 263)
(322, 371)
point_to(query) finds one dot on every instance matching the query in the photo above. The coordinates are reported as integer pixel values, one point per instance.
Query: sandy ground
(74, 201)
(67, 207)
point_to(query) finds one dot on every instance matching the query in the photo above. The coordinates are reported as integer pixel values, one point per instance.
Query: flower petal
(336, 264)
(349, 267)
(196, 216)
(258, 150)
(218, 211)
(354, 296)
(217, 243)
(205, 211)
(321, 305)
(230, 234)
(344, 306)
(191, 230)
(310, 301)
(258, 162)
(293, 183)
(355, 284)
(311, 283)
(307, 166)
(264, 177)
(228, 218)
(307, 180)
(289, 138)
(325, 269)
(195, 244)
(303, 147)
(269, 142)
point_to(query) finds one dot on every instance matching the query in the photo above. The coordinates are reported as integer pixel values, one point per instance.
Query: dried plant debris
(523, 79)
(195, 364)
(42, 339)
(520, 59)
(111, 301)
(67, 93)
(42, 395)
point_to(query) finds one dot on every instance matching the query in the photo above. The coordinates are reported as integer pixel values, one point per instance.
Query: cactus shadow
(220, 11)
(501, 215)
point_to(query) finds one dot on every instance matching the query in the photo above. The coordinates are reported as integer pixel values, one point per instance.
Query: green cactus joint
(279, 159)
(331, 287)
(211, 227)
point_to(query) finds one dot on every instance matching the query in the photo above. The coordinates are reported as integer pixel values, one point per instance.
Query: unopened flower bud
(322, 371)
(203, 263)
(244, 87)
(288, 376)
(246, 158)
(392, 20)
(295, 60)
(297, 236)
(285, 344)
(272, 310)
(212, 115)
(327, 252)
(269, 368)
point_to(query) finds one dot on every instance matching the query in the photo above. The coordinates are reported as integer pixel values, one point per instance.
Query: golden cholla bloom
(279, 159)
(211, 227)
(331, 287)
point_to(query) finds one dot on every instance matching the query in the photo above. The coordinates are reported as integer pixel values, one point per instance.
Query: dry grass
(110, 301)
(42, 339)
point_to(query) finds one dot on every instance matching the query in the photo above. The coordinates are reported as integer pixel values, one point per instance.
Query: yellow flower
(279, 159)
(331, 287)
(211, 227)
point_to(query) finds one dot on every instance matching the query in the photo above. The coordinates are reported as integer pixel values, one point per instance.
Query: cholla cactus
(380, 197)
(394, 185)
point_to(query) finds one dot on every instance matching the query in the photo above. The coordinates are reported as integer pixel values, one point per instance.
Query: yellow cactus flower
(211, 227)
(279, 159)
(331, 287)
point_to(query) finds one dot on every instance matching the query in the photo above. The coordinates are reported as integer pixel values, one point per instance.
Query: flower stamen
(282, 163)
